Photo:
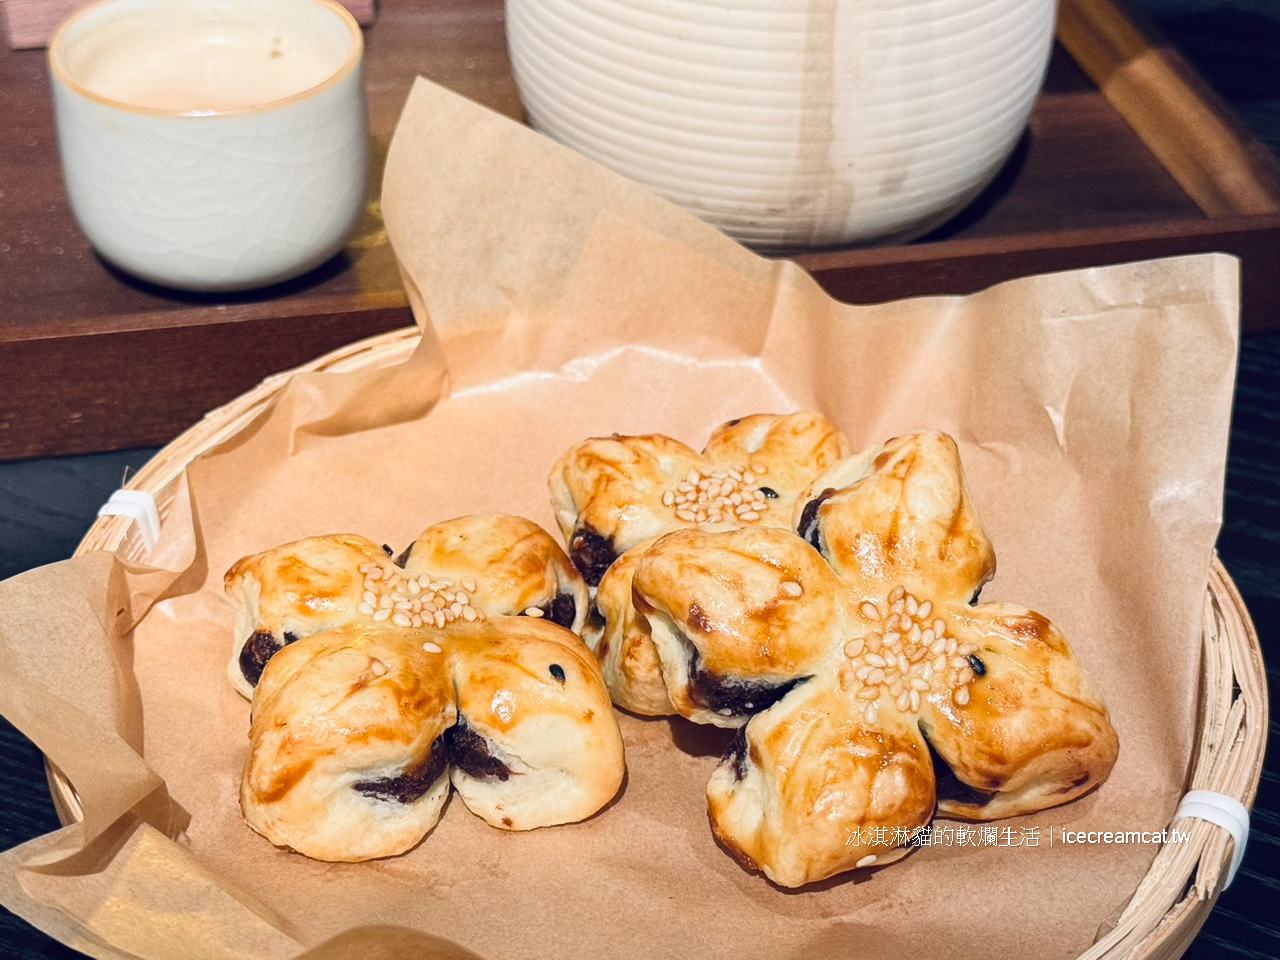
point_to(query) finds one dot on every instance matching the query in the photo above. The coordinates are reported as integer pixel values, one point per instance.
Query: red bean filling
(414, 783)
(469, 752)
(592, 553)
(559, 611)
(257, 650)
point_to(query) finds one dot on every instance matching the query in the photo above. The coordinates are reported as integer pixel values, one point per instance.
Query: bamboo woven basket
(1171, 902)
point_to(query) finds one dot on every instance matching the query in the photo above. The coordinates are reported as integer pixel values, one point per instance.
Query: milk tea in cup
(215, 145)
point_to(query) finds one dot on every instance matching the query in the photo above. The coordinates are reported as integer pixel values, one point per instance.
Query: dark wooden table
(47, 504)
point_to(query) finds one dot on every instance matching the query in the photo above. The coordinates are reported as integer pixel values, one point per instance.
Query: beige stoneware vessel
(789, 123)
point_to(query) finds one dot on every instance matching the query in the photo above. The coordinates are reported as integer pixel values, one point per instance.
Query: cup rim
(59, 68)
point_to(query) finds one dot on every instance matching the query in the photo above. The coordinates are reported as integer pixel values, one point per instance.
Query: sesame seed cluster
(909, 656)
(415, 601)
(719, 496)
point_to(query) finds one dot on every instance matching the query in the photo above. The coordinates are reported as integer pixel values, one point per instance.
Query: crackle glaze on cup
(212, 144)
(789, 123)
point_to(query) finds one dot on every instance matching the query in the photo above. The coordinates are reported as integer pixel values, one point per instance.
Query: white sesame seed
(461, 598)
(869, 611)
(967, 676)
(692, 476)
(938, 646)
(868, 693)
(758, 467)
(415, 621)
(377, 666)
(365, 608)
(751, 516)
(533, 611)
(927, 673)
(748, 476)
(896, 606)
(915, 701)
(958, 662)
(875, 660)
(913, 605)
(431, 647)
(873, 642)
(951, 646)
(962, 696)
(875, 676)
(469, 584)
(439, 619)
(846, 677)
(455, 608)
(939, 627)
(468, 614)
(939, 662)
(854, 647)
(897, 593)
(896, 687)
(866, 861)
(891, 638)
(903, 663)
(401, 620)
(668, 498)
(403, 605)
(926, 608)
(685, 515)
(918, 684)
(415, 587)
(381, 615)
(791, 588)
(903, 701)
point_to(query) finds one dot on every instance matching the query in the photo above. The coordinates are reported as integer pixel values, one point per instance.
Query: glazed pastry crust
(608, 492)
(512, 711)
(611, 501)
(358, 704)
(983, 707)
(504, 566)
(623, 643)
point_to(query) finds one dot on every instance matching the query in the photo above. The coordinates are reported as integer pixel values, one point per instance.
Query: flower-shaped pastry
(868, 688)
(614, 495)
(395, 681)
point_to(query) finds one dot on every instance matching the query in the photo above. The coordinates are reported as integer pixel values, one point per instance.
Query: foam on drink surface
(164, 59)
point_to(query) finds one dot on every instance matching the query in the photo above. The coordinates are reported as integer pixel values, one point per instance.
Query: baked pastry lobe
(358, 731)
(865, 683)
(468, 567)
(614, 495)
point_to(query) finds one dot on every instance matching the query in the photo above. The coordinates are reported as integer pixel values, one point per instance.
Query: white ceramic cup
(212, 145)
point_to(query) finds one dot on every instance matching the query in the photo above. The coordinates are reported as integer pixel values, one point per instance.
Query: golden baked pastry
(613, 495)
(381, 682)
(485, 565)
(868, 685)
(358, 732)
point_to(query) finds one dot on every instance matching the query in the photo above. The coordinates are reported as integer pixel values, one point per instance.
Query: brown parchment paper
(1091, 409)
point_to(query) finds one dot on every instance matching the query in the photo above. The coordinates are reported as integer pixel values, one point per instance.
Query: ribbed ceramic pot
(789, 123)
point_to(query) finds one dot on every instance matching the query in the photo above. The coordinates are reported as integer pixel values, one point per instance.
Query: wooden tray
(1139, 161)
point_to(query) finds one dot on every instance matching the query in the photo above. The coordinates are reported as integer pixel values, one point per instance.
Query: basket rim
(1183, 882)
